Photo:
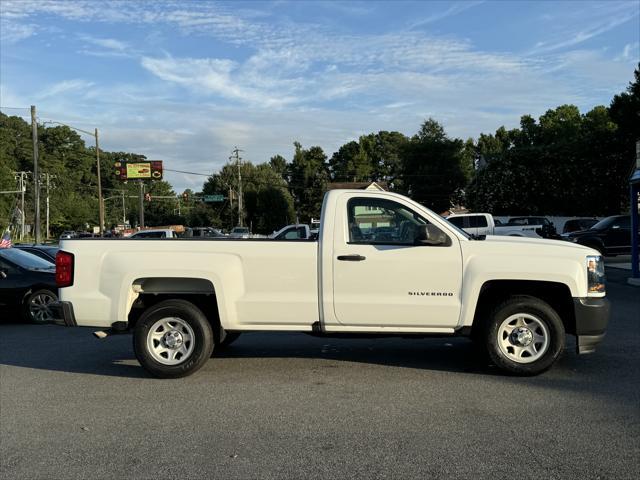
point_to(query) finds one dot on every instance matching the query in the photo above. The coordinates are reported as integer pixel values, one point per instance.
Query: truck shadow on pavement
(77, 351)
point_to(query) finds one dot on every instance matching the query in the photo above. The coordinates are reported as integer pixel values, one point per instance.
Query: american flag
(6, 241)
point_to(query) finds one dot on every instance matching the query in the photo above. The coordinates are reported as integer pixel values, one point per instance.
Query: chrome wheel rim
(523, 338)
(40, 307)
(170, 341)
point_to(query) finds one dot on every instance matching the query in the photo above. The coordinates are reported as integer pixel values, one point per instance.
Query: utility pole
(20, 177)
(236, 156)
(36, 176)
(100, 201)
(141, 203)
(124, 210)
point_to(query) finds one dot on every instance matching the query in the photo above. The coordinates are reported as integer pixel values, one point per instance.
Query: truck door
(619, 236)
(382, 277)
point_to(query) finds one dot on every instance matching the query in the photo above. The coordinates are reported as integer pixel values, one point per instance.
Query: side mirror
(431, 235)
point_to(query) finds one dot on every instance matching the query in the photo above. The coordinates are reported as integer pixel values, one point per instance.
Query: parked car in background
(578, 224)
(47, 252)
(208, 232)
(240, 232)
(610, 236)
(160, 233)
(479, 224)
(298, 231)
(27, 285)
(548, 229)
(67, 234)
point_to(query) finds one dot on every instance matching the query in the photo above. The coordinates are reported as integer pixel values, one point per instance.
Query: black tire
(35, 309)
(187, 313)
(544, 323)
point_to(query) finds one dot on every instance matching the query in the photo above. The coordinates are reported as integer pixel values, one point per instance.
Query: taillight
(64, 269)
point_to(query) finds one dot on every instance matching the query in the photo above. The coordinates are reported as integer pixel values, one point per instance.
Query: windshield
(25, 259)
(604, 224)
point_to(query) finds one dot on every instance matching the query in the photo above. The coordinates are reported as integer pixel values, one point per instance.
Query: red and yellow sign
(151, 170)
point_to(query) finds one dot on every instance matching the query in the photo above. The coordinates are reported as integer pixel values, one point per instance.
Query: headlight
(595, 274)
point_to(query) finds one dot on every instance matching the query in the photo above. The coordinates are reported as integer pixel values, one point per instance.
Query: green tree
(434, 167)
(309, 175)
(268, 205)
(279, 165)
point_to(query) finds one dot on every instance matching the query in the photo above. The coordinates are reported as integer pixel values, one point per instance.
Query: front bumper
(63, 314)
(592, 317)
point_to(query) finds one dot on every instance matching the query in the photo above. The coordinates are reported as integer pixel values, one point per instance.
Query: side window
(291, 234)
(379, 221)
(457, 221)
(624, 222)
(7, 267)
(480, 221)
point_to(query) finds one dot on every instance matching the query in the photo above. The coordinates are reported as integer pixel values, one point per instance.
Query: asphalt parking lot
(294, 406)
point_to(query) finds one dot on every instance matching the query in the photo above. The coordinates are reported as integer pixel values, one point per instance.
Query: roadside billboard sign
(145, 170)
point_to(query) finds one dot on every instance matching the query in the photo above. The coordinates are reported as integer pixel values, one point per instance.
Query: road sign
(214, 198)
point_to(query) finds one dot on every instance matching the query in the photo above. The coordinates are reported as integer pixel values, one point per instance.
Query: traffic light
(147, 197)
(185, 196)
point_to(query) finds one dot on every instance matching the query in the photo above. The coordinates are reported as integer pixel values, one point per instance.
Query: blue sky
(187, 81)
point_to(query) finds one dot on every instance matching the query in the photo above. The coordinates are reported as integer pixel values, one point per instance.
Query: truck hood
(524, 244)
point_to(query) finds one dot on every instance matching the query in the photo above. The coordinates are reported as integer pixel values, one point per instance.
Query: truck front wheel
(524, 336)
(173, 339)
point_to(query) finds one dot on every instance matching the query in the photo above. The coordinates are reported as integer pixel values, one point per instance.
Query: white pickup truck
(483, 224)
(383, 264)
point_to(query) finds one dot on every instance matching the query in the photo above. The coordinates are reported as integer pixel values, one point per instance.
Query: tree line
(563, 163)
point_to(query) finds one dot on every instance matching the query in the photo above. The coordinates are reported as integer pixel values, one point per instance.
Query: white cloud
(598, 19)
(108, 43)
(74, 86)
(211, 76)
(454, 9)
(13, 32)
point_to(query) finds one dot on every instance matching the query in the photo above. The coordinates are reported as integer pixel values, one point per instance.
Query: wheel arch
(149, 291)
(556, 294)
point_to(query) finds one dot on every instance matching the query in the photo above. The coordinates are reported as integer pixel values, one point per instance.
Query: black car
(48, 252)
(578, 224)
(610, 236)
(27, 285)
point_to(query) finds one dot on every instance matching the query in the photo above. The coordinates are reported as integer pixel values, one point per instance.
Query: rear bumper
(63, 314)
(592, 317)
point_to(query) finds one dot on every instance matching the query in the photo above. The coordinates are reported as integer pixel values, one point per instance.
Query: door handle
(351, 258)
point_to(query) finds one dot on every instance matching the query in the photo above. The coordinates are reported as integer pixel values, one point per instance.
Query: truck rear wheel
(173, 339)
(524, 336)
